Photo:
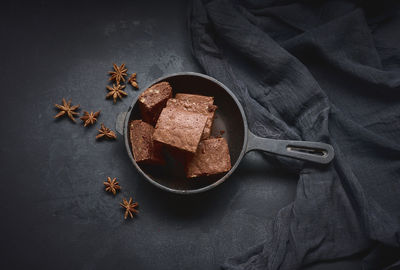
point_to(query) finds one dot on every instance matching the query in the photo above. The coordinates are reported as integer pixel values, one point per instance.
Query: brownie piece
(195, 98)
(180, 129)
(153, 100)
(203, 108)
(143, 148)
(212, 157)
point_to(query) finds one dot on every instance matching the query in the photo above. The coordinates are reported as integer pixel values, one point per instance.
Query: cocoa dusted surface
(55, 213)
(203, 108)
(212, 157)
(143, 148)
(195, 98)
(180, 129)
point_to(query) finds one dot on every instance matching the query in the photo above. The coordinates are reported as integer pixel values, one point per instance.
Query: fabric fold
(320, 78)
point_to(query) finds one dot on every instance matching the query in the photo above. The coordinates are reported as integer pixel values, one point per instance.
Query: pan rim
(192, 191)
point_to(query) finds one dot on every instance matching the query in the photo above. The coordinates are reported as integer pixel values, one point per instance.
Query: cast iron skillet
(229, 118)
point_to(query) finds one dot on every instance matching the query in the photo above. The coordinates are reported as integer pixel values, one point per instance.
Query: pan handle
(119, 122)
(316, 152)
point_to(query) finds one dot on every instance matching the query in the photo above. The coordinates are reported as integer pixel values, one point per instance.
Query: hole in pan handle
(316, 152)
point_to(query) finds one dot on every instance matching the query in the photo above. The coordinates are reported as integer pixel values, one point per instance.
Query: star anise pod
(118, 74)
(66, 108)
(132, 81)
(89, 118)
(112, 185)
(129, 207)
(116, 91)
(106, 133)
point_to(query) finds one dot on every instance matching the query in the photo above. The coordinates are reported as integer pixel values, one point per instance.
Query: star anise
(118, 74)
(112, 185)
(106, 133)
(116, 91)
(89, 118)
(129, 207)
(66, 108)
(132, 81)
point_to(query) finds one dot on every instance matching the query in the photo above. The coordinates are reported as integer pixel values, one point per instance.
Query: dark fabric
(320, 71)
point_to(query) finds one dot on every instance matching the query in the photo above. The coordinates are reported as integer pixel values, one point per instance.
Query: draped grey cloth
(317, 71)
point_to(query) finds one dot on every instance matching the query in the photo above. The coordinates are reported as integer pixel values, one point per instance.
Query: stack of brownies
(182, 125)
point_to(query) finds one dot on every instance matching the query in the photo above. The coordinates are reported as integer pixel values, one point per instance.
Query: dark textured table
(55, 213)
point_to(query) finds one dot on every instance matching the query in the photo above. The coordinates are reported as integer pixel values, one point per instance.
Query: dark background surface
(54, 210)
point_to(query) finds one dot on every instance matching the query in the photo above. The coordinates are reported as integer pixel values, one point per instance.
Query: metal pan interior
(229, 117)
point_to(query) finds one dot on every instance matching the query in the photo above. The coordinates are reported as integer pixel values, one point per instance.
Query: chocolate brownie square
(153, 100)
(212, 157)
(143, 148)
(180, 129)
(195, 98)
(203, 108)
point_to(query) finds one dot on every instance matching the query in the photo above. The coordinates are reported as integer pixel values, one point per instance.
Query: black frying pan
(230, 118)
